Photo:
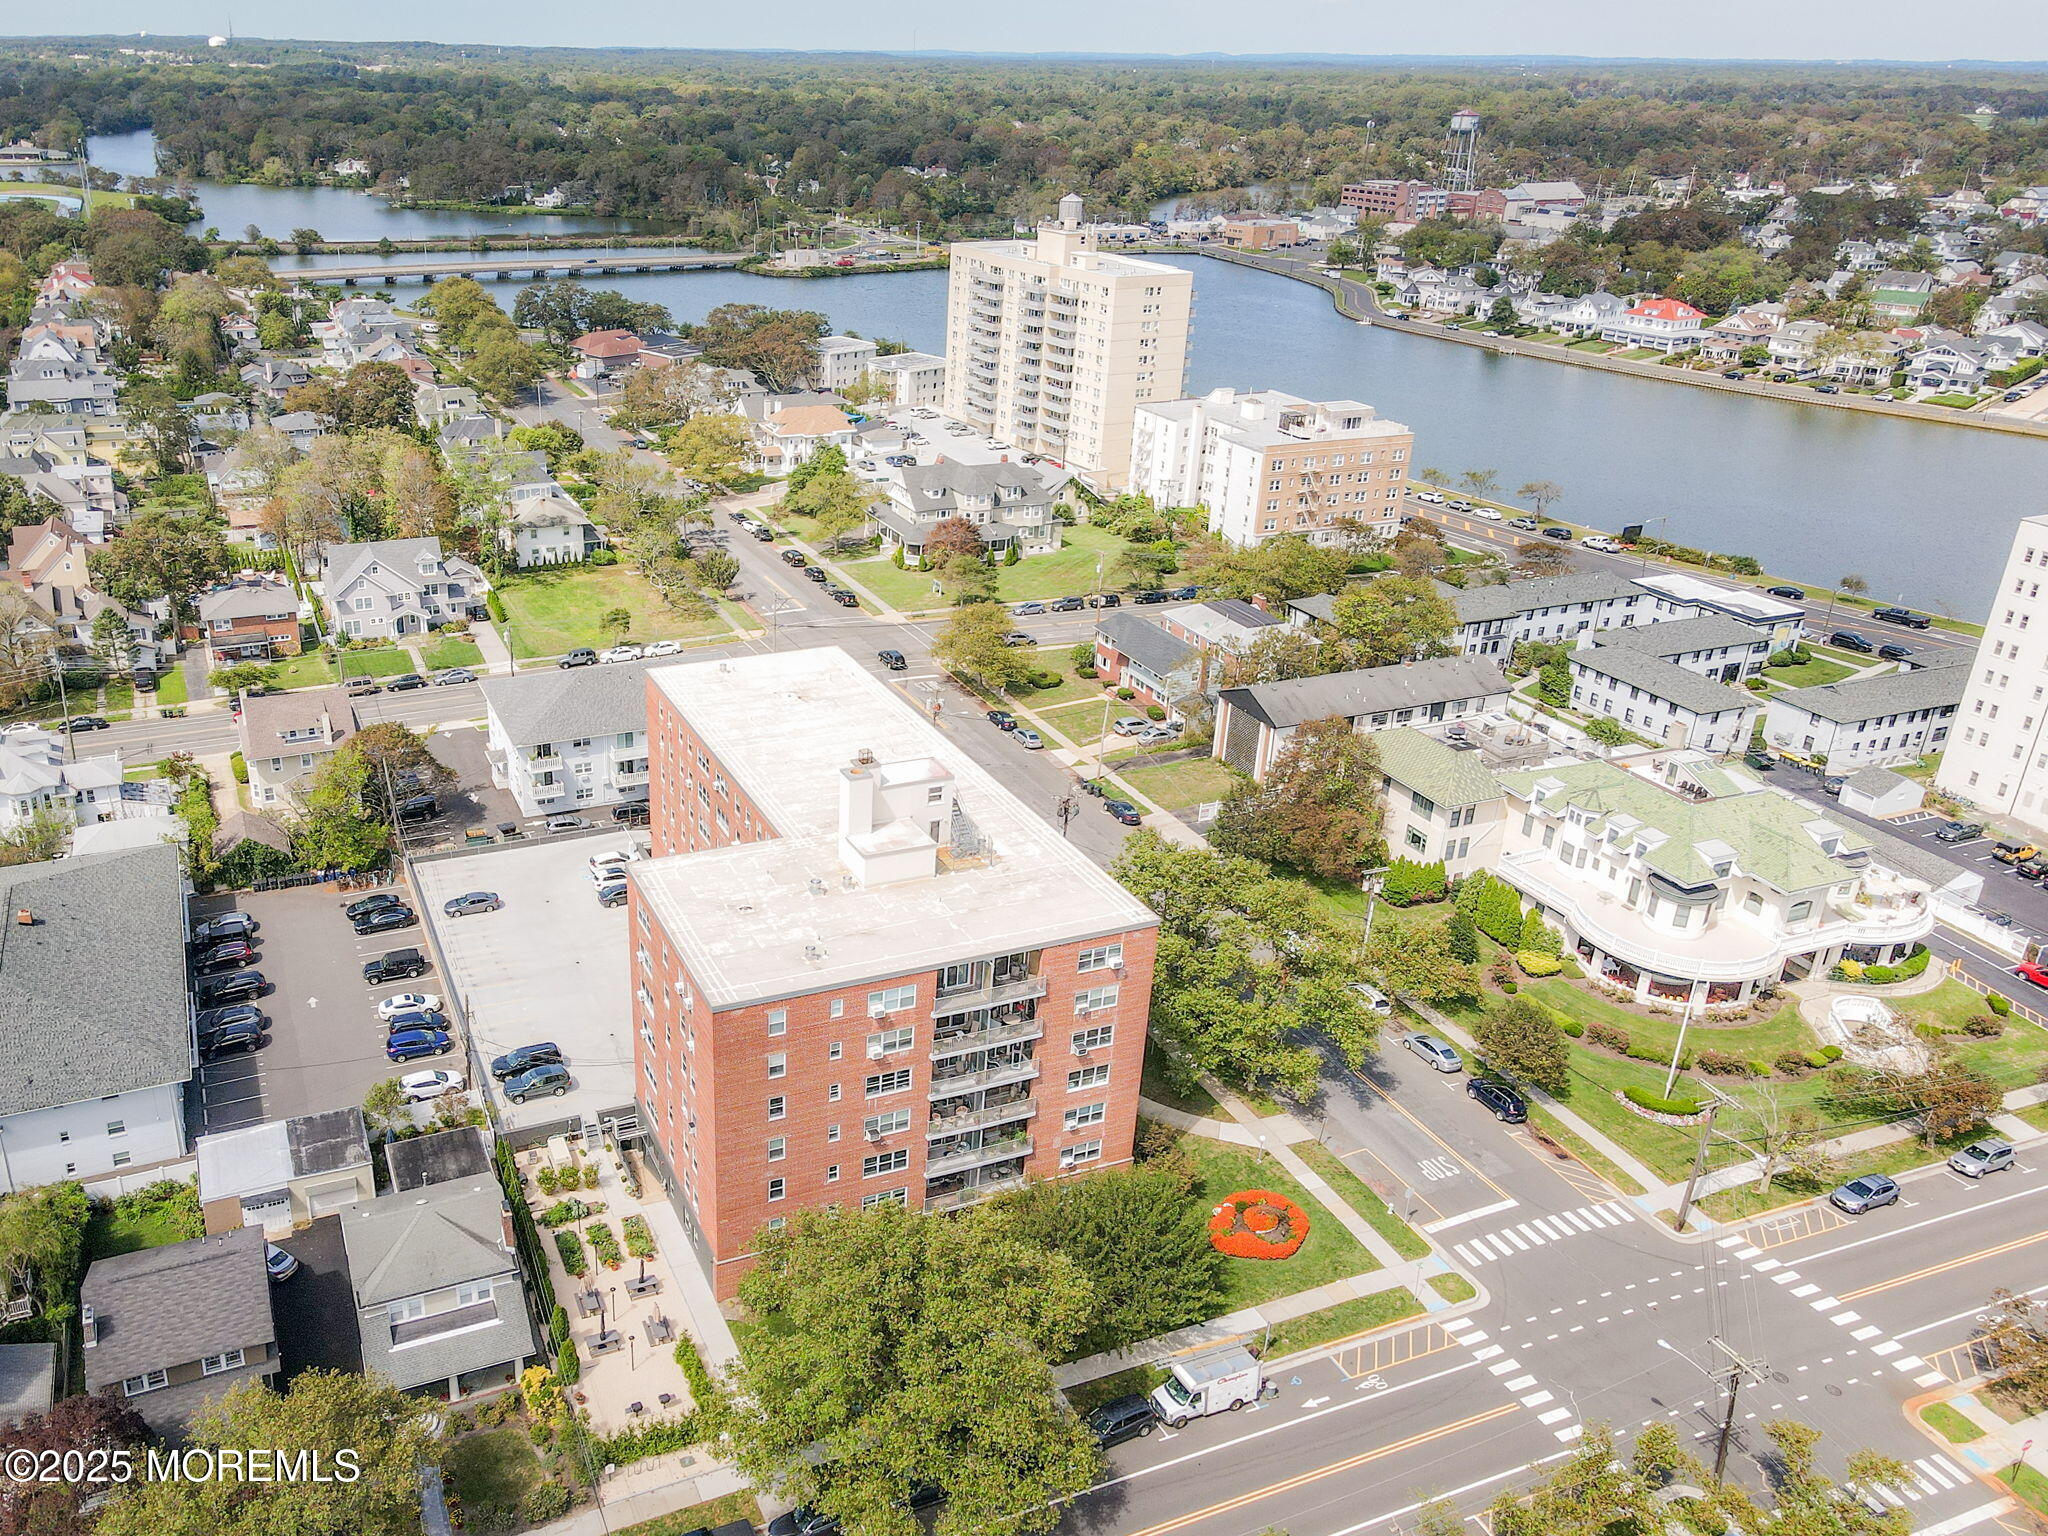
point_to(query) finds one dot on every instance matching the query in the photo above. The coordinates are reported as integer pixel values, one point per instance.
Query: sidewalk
(2003, 1442)
(497, 655)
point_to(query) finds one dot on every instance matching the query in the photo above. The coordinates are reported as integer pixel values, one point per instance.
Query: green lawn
(310, 668)
(455, 651)
(1067, 572)
(1358, 1194)
(377, 661)
(493, 1469)
(560, 608)
(1362, 1314)
(709, 1515)
(2029, 1486)
(1070, 689)
(1179, 785)
(1816, 673)
(170, 689)
(1951, 1425)
(1453, 1288)
(1331, 1253)
(110, 1230)
(119, 698)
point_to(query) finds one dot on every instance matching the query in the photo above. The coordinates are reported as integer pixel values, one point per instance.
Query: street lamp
(1662, 517)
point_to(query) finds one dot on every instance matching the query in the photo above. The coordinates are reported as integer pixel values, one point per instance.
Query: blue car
(410, 1044)
(418, 1020)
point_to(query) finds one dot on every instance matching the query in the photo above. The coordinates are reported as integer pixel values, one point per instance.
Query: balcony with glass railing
(1005, 1032)
(970, 1112)
(959, 1159)
(972, 1078)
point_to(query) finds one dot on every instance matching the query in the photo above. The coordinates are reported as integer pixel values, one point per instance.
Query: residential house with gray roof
(1659, 700)
(396, 587)
(566, 741)
(1492, 621)
(100, 958)
(1007, 504)
(1895, 717)
(440, 1305)
(1255, 723)
(173, 1328)
(1175, 657)
(289, 736)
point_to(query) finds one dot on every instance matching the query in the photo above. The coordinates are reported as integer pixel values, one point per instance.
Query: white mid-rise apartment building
(1266, 463)
(1052, 344)
(1996, 759)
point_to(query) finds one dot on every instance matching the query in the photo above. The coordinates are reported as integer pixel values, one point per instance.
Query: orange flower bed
(1258, 1224)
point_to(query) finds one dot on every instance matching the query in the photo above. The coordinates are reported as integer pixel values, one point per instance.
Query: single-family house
(173, 1328)
(1442, 802)
(1590, 315)
(1660, 325)
(395, 587)
(1900, 295)
(547, 530)
(1953, 364)
(785, 438)
(272, 378)
(605, 354)
(1794, 346)
(36, 779)
(254, 617)
(1008, 503)
(287, 737)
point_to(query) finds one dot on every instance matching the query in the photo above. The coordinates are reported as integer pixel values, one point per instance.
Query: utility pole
(1699, 1165)
(1738, 1367)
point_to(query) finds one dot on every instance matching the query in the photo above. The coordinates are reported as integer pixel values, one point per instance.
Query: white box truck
(1210, 1381)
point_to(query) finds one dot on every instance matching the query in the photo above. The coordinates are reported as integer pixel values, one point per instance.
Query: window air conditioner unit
(876, 1053)
(1082, 1050)
(874, 1135)
(877, 1011)
(1081, 1010)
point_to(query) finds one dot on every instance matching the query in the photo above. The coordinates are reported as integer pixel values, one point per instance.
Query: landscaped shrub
(558, 1325)
(639, 1241)
(1832, 1052)
(569, 1365)
(1999, 1003)
(1818, 1059)
(1984, 1027)
(1572, 1027)
(1409, 883)
(549, 1500)
(630, 1445)
(570, 1247)
(1126, 693)
(1538, 938)
(1536, 964)
(1258, 1224)
(1609, 1035)
(604, 1244)
(562, 1212)
(1657, 1057)
(1658, 1104)
(239, 766)
(602, 556)
(1155, 712)
(1847, 970)
(1879, 975)
(495, 605)
(1757, 1068)
(1723, 1064)
(1914, 964)
(1792, 1063)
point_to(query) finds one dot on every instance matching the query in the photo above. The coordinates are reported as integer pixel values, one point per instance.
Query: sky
(2002, 30)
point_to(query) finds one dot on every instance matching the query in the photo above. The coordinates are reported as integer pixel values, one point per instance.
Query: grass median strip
(1359, 1195)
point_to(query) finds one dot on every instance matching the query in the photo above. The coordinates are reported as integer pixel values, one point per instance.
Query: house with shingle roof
(440, 1306)
(395, 587)
(101, 958)
(571, 740)
(289, 736)
(1659, 324)
(173, 1328)
(1894, 717)
(1254, 723)
(785, 437)
(1442, 801)
(1006, 503)
(255, 617)
(1658, 699)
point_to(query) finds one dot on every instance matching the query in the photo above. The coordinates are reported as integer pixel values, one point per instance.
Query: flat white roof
(748, 919)
(1734, 600)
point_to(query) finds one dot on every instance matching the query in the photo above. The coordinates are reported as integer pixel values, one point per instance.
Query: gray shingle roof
(1874, 780)
(1680, 637)
(564, 704)
(267, 718)
(1479, 605)
(1663, 679)
(1144, 642)
(161, 1307)
(1369, 691)
(437, 1158)
(248, 600)
(28, 1380)
(104, 961)
(1893, 693)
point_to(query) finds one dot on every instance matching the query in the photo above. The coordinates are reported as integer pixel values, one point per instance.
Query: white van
(1374, 1000)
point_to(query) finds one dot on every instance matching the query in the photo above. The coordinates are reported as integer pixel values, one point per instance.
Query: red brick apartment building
(863, 969)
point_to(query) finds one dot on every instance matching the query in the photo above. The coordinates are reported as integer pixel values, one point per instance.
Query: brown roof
(607, 344)
(809, 421)
(267, 717)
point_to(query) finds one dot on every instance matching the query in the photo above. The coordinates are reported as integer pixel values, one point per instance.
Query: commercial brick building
(1402, 202)
(863, 969)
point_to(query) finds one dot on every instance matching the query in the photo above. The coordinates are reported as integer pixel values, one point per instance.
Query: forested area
(679, 134)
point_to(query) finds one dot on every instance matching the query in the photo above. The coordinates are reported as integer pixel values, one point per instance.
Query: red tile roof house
(253, 618)
(605, 352)
(1660, 325)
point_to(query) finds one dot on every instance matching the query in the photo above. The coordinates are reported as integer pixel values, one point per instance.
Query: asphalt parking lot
(325, 1046)
(549, 965)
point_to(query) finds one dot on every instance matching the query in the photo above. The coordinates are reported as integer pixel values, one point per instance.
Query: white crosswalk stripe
(1486, 1247)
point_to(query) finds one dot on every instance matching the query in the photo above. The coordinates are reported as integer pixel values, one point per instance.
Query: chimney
(24, 917)
(90, 1325)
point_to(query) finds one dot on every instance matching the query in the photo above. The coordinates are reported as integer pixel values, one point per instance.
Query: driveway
(315, 1310)
(475, 801)
(325, 1046)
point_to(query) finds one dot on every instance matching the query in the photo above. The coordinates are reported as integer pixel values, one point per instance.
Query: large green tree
(906, 1350)
(972, 646)
(1521, 1039)
(1393, 619)
(1317, 809)
(163, 552)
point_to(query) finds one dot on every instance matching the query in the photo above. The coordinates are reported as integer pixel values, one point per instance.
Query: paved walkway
(2003, 1441)
(497, 654)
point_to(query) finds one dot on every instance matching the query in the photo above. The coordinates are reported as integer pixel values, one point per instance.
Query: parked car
(1130, 725)
(234, 987)
(384, 920)
(1440, 1056)
(1459, 505)
(396, 965)
(1430, 498)
(1849, 640)
(544, 1053)
(1147, 598)
(794, 557)
(2014, 853)
(362, 687)
(634, 813)
(405, 682)
(551, 1080)
(1499, 1099)
(408, 1002)
(471, 902)
(1002, 719)
(842, 596)
(1790, 594)
(418, 1087)
(1152, 735)
(1069, 605)
(1866, 1193)
(79, 723)
(1895, 652)
(418, 808)
(1602, 543)
(2032, 973)
(1027, 610)
(1562, 535)
(211, 1020)
(1028, 739)
(612, 857)
(582, 656)
(1372, 999)
(817, 573)
(411, 1044)
(803, 1522)
(1904, 616)
(242, 1035)
(1019, 637)
(1981, 1157)
(223, 955)
(1733, 373)
(620, 653)
(452, 676)
(369, 904)
(1186, 594)
(762, 532)
(564, 824)
(1826, 389)
(278, 1264)
(1486, 514)
(418, 1018)
(893, 660)
(663, 648)
(1124, 812)
(612, 893)
(1959, 832)
(1106, 600)
(1121, 1419)
(229, 925)
(1526, 524)
(2031, 869)
(1831, 784)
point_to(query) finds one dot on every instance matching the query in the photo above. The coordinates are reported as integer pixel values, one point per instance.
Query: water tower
(1461, 152)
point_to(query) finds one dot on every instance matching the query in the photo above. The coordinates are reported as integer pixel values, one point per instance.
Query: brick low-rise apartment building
(864, 971)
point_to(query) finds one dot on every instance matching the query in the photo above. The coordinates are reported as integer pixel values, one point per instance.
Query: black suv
(1905, 616)
(1121, 1419)
(634, 813)
(544, 1054)
(893, 660)
(1503, 1101)
(794, 557)
(418, 808)
(1849, 640)
(234, 987)
(398, 965)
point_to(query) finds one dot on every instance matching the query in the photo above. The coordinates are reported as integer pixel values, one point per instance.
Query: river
(1923, 512)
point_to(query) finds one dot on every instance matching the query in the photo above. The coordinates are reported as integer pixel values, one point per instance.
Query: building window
(117, 1127)
(1083, 1115)
(838, 1008)
(777, 1188)
(778, 1148)
(832, 1094)
(405, 1310)
(1096, 1039)
(1103, 957)
(1801, 910)
(778, 1021)
(778, 1106)
(834, 1051)
(882, 1043)
(885, 1162)
(875, 1127)
(888, 1082)
(148, 1381)
(1086, 1152)
(1094, 998)
(832, 1174)
(891, 1000)
(885, 1197)
(227, 1360)
(778, 1064)
(1087, 1077)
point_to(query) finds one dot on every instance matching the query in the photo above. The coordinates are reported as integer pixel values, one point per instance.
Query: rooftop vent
(23, 916)
(817, 886)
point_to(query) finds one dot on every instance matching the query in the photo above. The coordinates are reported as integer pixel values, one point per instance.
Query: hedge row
(1657, 1104)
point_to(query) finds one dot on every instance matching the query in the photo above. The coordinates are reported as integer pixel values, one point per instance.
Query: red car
(2026, 970)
